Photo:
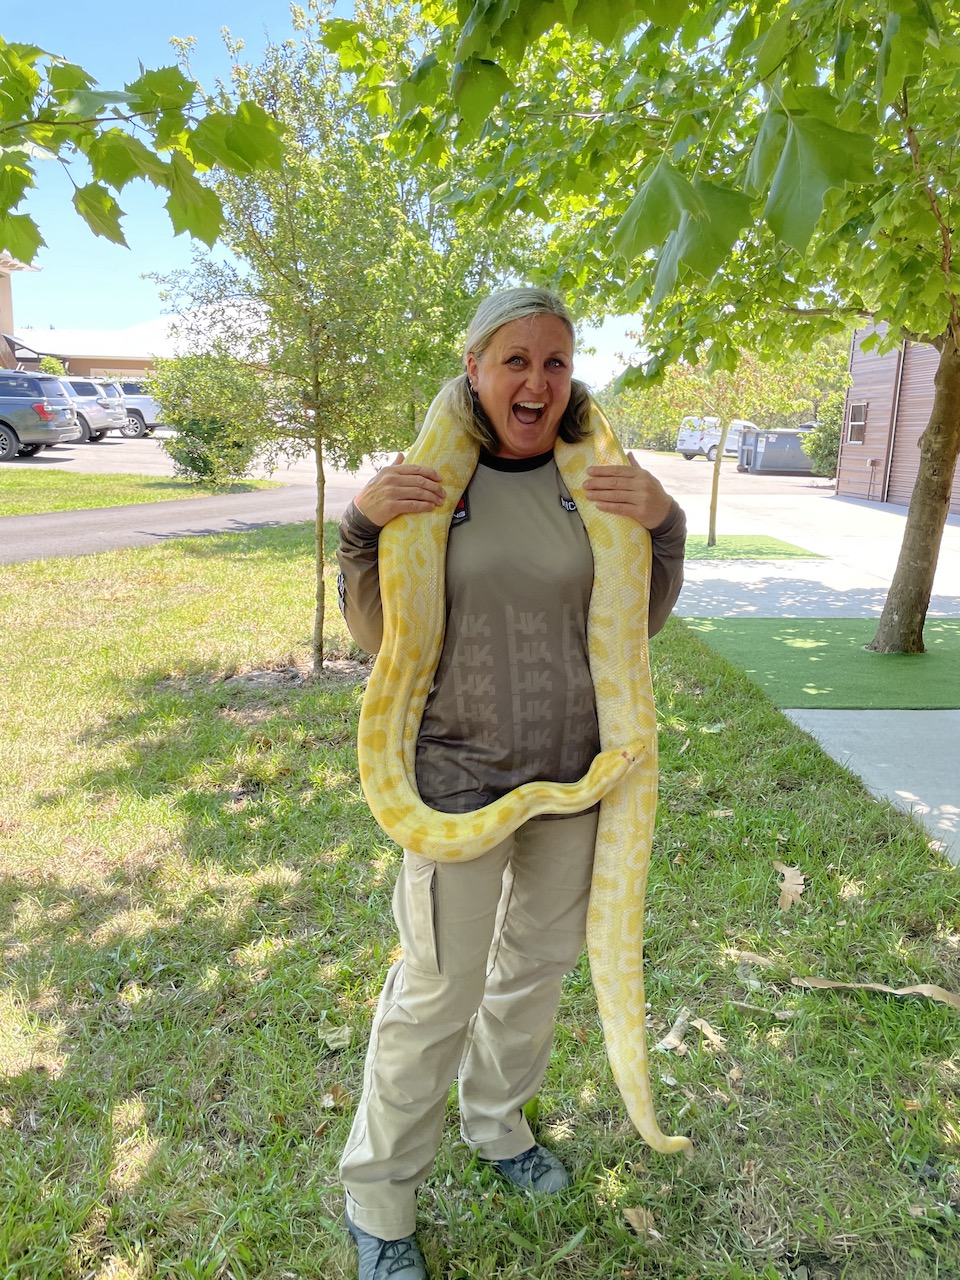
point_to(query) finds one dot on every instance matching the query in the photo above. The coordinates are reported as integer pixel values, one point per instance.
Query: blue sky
(87, 283)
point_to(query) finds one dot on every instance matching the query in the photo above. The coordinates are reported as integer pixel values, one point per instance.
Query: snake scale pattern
(412, 557)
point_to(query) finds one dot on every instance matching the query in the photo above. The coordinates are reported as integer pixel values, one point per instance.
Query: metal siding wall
(916, 402)
(874, 379)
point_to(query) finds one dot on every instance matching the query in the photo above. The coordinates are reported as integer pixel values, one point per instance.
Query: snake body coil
(412, 562)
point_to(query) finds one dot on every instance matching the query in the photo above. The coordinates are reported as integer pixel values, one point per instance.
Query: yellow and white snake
(412, 561)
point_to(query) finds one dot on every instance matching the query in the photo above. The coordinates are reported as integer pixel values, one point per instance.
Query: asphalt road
(37, 537)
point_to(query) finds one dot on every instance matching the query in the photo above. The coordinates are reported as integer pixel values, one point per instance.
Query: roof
(139, 341)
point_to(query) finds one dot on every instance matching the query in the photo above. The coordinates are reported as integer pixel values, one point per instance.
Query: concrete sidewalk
(911, 758)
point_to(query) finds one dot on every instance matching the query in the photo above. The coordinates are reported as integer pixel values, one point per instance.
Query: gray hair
(493, 313)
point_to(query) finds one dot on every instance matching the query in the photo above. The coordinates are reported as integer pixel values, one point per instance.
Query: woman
(485, 944)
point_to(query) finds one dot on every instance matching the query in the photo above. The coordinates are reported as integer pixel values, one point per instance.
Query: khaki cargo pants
(485, 947)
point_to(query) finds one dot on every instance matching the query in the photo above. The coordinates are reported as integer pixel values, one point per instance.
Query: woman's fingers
(398, 490)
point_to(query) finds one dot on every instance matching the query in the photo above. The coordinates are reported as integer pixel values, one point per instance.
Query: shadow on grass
(184, 971)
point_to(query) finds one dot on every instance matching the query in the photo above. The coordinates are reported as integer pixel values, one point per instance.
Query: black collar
(496, 463)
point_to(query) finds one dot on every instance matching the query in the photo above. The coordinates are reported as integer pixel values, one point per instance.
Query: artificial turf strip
(741, 546)
(822, 662)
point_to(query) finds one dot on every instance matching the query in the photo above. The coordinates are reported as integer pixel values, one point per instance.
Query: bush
(207, 451)
(822, 444)
(216, 406)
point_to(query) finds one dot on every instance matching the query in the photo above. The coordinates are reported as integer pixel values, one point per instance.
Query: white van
(700, 437)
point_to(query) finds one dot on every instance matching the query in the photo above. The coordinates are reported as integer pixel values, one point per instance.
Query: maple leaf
(791, 886)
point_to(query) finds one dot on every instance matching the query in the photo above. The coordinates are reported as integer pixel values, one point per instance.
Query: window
(18, 387)
(857, 424)
(131, 388)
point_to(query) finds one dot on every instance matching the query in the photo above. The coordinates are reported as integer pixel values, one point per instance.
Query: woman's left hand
(629, 491)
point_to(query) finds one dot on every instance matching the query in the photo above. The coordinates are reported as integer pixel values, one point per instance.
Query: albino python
(412, 561)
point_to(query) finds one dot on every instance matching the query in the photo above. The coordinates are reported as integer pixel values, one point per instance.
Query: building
(8, 265)
(104, 352)
(887, 410)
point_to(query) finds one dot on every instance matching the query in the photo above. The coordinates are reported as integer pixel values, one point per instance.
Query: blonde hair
(493, 313)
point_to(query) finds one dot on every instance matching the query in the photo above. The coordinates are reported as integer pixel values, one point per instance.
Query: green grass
(822, 662)
(194, 897)
(746, 547)
(25, 492)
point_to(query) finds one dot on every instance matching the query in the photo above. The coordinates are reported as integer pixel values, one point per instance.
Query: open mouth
(528, 412)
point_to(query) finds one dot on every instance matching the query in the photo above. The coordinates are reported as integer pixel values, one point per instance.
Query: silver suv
(97, 413)
(34, 411)
(143, 412)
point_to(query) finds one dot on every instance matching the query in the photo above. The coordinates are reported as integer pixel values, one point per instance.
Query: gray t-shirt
(512, 699)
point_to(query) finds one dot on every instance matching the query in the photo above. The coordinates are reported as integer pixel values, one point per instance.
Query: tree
(158, 127)
(781, 393)
(349, 285)
(753, 175)
(50, 364)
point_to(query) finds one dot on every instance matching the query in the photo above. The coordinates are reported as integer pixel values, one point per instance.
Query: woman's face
(523, 382)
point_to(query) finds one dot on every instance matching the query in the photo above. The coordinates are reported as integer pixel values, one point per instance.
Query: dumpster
(773, 451)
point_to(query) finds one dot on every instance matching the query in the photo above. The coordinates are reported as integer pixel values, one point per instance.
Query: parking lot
(145, 456)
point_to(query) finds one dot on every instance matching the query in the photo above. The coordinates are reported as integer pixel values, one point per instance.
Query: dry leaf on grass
(921, 989)
(751, 957)
(705, 1029)
(642, 1222)
(335, 1097)
(336, 1037)
(673, 1040)
(781, 1015)
(791, 886)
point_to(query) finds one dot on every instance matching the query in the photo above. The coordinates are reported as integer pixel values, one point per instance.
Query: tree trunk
(715, 485)
(901, 624)
(321, 599)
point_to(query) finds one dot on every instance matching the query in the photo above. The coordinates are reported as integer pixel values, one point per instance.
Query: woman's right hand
(397, 489)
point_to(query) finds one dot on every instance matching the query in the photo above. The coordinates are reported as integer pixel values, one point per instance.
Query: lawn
(741, 546)
(24, 492)
(196, 921)
(822, 662)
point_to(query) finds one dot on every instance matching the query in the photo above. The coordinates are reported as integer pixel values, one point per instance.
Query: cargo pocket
(415, 911)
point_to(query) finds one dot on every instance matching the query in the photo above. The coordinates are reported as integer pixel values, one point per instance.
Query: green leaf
(192, 206)
(655, 211)
(116, 157)
(87, 104)
(20, 236)
(100, 212)
(901, 53)
(767, 151)
(244, 140)
(602, 19)
(704, 243)
(67, 78)
(476, 88)
(816, 157)
(424, 85)
(16, 176)
(166, 89)
(776, 46)
(742, 35)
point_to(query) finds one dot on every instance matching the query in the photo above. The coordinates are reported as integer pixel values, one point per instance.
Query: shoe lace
(532, 1164)
(399, 1255)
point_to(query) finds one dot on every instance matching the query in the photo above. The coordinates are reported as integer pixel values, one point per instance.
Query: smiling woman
(522, 381)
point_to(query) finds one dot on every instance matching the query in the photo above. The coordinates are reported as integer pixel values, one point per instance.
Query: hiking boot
(536, 1170)
(387, 1259)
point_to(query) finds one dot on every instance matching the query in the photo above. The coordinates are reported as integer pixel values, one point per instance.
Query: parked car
(143, 412)
(97, 413)
(34, 411)
(700, 437)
